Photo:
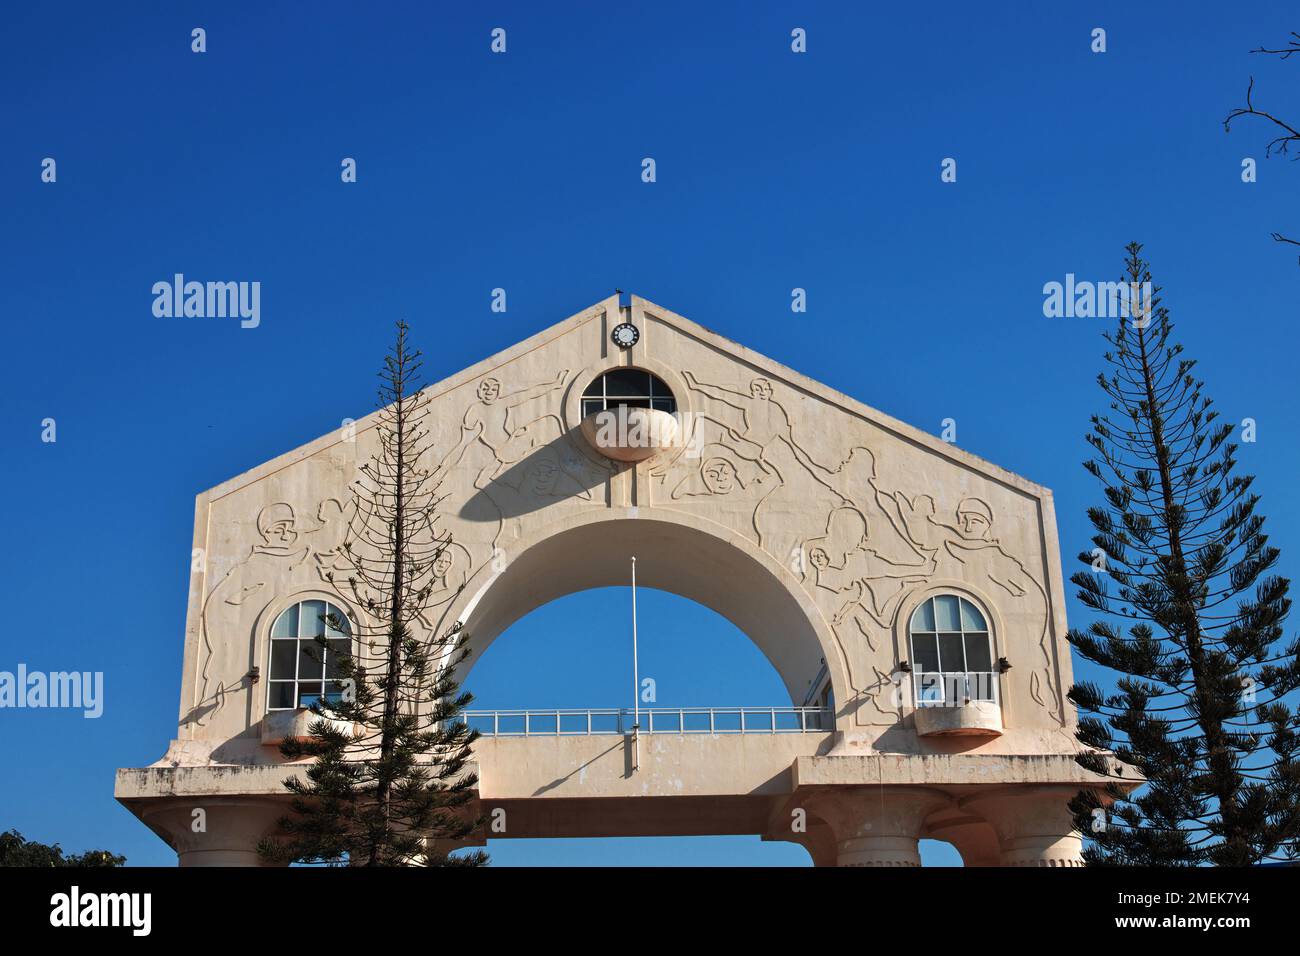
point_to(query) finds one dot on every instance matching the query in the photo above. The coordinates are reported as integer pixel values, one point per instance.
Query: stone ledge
(942, 770)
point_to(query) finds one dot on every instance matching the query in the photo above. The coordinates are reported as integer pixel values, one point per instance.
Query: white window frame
(925, 681)
(331, 605)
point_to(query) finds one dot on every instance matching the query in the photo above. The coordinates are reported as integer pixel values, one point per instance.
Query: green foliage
(1195, 628)
(387, 784)
(15, 850)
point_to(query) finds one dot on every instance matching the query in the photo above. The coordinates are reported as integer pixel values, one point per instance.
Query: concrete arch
(693, 559)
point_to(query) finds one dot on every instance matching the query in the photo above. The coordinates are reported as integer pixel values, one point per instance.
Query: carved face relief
(443, 564)
(719, 476)
(975, 519)
(276, 525)
(489, 390)
(542, 475)
(761, 389)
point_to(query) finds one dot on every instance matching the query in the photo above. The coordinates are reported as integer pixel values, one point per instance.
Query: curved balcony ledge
(281, 725)
(631, 434)
(976, 718)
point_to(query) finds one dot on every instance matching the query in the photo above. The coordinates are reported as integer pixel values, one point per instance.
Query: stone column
(876, 825)
(1033, 824)
(225, 833)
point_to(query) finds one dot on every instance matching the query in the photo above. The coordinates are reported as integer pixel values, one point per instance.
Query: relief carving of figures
(969, 544)
(288, 548)
(450, 574)
(512, 458)
(503, 428)
(865, 587)
(756, 428)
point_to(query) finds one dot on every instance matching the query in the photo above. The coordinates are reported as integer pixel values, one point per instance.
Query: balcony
(957, 704)
(631, 434)
(659, 720)
(281, 725)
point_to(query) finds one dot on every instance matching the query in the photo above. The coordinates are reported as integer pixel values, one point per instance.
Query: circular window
(628, 388)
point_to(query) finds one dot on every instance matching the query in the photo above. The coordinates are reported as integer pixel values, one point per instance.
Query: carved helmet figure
(975, 519)
(276, 524)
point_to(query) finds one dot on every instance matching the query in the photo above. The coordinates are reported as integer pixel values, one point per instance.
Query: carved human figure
(500, 423)
(974, 542)
(716, 476)
(866, 585)
(285, 549)
(541, 476)
(450, 572)
(969, 543)
(758, 428)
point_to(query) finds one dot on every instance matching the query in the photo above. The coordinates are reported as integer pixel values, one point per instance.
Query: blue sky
(522, 171)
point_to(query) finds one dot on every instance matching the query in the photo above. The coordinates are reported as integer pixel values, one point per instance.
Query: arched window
(952, 653)
(301, 670)
(630, 387)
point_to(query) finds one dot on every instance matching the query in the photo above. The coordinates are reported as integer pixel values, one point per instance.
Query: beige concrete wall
(813, 522)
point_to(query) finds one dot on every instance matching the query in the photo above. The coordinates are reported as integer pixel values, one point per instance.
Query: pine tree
(388, 785)
(1192, 618)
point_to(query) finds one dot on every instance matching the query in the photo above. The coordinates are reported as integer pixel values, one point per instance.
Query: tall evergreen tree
(1192, 617)
(388, 785)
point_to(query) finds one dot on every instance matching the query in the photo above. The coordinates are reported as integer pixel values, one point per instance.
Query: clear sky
(775, 170)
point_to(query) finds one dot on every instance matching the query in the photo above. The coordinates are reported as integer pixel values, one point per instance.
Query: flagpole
(636, 683)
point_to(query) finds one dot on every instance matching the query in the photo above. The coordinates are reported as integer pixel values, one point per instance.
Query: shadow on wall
(547, 474)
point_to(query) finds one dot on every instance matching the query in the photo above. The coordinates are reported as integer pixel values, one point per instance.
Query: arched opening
(576, 653)
(760, 598)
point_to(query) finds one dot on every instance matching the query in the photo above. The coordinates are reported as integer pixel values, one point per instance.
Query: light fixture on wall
(1004, 665)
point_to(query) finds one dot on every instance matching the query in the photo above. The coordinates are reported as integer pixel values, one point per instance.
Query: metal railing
(954, 688)
(658, 720)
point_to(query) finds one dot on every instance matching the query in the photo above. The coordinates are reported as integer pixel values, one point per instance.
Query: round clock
(625, 335)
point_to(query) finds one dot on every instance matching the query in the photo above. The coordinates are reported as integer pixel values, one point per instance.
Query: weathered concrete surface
(814, 523)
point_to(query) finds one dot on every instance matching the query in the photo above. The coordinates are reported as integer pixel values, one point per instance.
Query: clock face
(625, 335)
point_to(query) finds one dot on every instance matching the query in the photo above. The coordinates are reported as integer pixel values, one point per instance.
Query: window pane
(590, 406)
(333, 691)
(930, 688)
(310, 623)
(307, 667)
(596, 388)
(282, 655)
(950, 653)
(664, 404)
(338, 650)
(923, 617)
(286, 625)
(281, 695)
(979, 657)
(344, 628)
(926, 653)
(629, 382)
(629, 402)
(971, 618)
(308, 694)
(945, 612)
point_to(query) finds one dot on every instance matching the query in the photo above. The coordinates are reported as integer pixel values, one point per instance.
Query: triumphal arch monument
(908, 593)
